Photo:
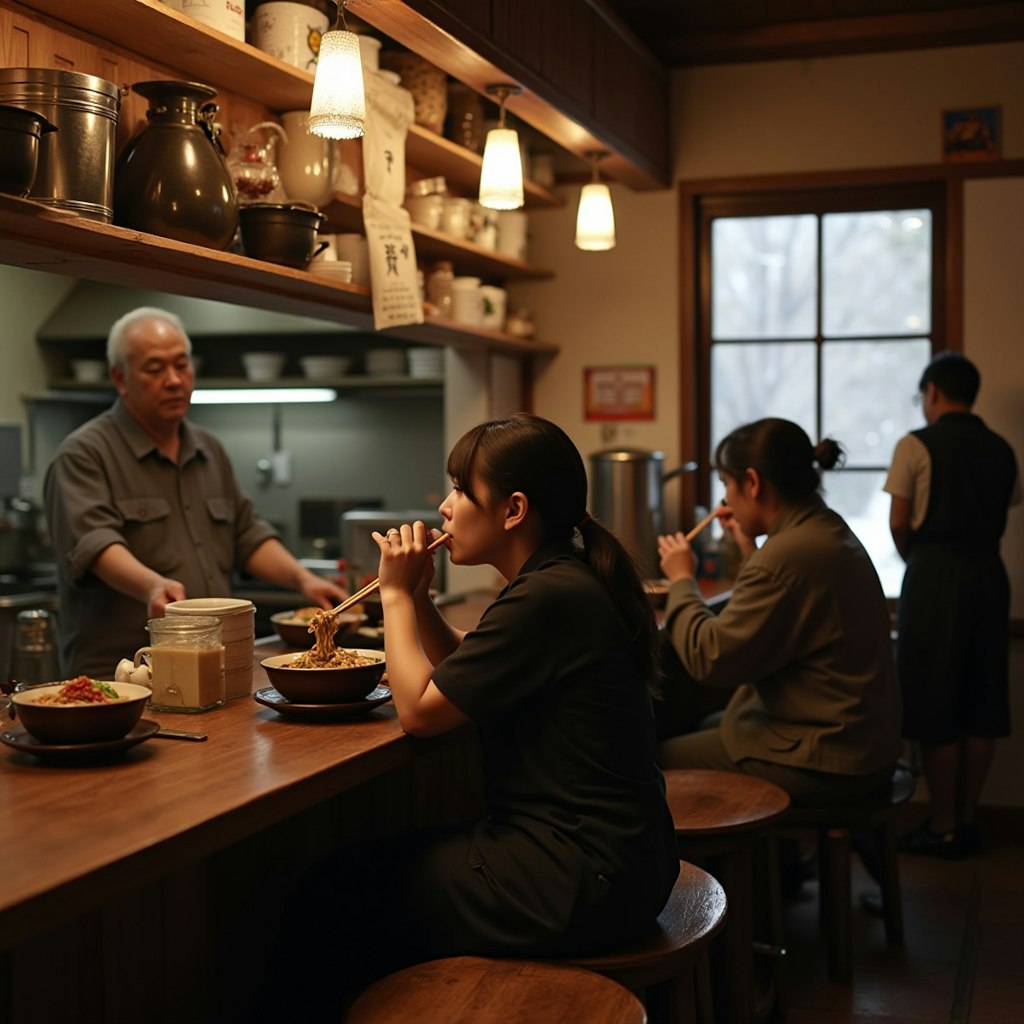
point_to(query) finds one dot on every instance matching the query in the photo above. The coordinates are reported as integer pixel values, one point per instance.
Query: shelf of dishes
(345, 214)
(55, 241)
(203, 54)
(348, 383)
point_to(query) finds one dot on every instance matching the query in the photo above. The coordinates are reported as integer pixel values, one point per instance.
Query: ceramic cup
(227, 17)
(467, 301)
(304, 161)
(455, 216)
(290, 32)
(425, 210)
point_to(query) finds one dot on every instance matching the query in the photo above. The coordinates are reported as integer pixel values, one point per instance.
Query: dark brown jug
(171, 178)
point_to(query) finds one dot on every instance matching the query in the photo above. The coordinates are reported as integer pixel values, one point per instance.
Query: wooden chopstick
(707, 520)
(375, 584)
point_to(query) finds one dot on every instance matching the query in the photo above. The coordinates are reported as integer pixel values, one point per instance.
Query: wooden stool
(668, 967)
(835, 825)
(478, 990)
(721, 818)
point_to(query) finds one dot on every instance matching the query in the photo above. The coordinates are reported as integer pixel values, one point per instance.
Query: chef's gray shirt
(190, 521)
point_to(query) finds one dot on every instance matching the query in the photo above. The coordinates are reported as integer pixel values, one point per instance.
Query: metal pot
(626, 496)
(282, 233)
(20, 132)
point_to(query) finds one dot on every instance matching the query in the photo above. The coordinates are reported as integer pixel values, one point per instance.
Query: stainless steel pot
(626, 496)
(76, 163)
(20, 132)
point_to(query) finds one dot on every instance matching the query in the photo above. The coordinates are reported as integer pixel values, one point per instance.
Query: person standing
(952, 483)
(144, 509)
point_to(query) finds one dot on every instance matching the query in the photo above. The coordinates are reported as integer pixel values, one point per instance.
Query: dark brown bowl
(80, 723)
(282, 233)
(20, 131)
(657, 592)
(324, 685)
(293, 627)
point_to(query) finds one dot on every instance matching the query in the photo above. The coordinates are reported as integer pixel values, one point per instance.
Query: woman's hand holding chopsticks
(677, 558)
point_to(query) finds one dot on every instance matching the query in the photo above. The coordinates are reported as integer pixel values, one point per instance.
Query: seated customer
(576, 850)
(804, 640)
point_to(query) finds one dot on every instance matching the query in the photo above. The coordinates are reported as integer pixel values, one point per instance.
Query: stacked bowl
(427, 361)
(238, 633)
(354, 249)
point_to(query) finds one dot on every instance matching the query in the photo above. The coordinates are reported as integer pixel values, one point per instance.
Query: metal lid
(628, 455)
(65, 79)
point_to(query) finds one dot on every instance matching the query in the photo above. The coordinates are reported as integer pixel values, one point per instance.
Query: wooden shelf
(44, 238)
(354, 382)
(345, 213)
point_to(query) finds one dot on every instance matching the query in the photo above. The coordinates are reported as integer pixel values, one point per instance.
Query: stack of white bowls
(354, 249)
(385, 362)
(426, 362)
(237, 634)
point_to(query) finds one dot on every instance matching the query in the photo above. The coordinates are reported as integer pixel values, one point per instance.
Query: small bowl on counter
(263, 366)
(293, 627)
(80, 723)
(335, 685)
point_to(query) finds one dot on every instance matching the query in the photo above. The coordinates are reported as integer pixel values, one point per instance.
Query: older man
(144, 508)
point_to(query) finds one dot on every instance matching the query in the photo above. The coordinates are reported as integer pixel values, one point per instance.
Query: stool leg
(892, 900)
(733, 960)
(702, 989)
(837, 912)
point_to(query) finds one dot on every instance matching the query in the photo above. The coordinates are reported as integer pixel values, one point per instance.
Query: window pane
(858, 497)
(876, 273)
(763, 278)
(867, 391)
(749, 381)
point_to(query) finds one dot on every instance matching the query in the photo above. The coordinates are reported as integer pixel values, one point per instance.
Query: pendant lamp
(501, 175)
(338, 110)
(595, 218)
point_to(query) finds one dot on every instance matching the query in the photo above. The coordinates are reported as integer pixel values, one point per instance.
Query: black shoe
(970, 839)
(922, 840)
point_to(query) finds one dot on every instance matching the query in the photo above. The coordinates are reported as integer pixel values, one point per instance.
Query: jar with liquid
(186, 660)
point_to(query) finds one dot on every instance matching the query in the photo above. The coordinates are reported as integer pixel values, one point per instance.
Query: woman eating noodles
(576, 850)
(804, 639)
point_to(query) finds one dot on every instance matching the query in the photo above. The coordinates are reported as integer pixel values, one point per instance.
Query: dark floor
(962, 959)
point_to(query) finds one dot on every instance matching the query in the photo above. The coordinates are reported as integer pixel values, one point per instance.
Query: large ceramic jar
(304, 161)
(171, 178)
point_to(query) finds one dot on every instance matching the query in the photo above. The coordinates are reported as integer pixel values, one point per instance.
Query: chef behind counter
(144, 508)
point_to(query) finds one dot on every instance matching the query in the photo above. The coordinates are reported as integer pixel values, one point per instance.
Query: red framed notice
(618, 393)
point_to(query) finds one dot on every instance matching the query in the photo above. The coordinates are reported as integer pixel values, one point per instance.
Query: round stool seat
(479, 990)
(713, 803)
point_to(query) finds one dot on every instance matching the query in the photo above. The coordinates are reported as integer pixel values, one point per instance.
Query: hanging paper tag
(389, 112)
(393, 284)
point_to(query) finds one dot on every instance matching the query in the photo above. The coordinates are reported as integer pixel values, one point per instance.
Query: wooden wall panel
(518, 29)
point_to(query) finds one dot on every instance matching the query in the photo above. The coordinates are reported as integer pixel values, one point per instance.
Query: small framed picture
(971, 135)
(618, 393)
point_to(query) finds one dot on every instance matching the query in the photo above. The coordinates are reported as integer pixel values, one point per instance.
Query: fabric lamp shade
(501, 174)
(595, 218)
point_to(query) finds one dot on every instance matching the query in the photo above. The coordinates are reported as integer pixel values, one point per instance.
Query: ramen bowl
(80, 723)
(324, 685)
(293, 627)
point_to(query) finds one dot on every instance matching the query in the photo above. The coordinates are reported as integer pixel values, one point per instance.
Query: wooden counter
(160, 864)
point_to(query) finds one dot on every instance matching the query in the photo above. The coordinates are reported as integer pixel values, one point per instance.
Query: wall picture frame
(971, 135)
(618, 393)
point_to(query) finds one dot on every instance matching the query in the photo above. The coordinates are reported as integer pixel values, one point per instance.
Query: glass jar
(186, 660)
(34, 652)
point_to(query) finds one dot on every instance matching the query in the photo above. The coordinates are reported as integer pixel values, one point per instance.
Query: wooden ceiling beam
(829, 37)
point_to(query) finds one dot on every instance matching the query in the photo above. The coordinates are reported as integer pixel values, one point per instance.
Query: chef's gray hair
(117, 341)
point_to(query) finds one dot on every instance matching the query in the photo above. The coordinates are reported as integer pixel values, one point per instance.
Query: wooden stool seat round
(479, 990)
(669, 963)
(835, 825)
(721, 819)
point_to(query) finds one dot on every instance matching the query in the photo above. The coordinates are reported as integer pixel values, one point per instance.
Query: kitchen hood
(91, 307)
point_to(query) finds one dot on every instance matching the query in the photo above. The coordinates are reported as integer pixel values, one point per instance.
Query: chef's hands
(405, 563)
(322, 592)
(161, 593)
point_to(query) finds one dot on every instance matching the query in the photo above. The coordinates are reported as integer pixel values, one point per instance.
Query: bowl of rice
(349, 677)
(80, 710)
(293, 627)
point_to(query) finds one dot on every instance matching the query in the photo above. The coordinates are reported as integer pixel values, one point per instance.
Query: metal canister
(76, 162)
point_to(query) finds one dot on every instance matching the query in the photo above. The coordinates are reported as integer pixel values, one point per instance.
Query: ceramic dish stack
(426, 362)
(354, 249)
(238, 633)
(385, 362)
(339, 271)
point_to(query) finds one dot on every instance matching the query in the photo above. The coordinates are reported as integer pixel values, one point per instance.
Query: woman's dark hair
(782, 454)
(530, 454)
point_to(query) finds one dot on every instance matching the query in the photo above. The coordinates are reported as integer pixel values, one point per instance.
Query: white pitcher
(304, 161)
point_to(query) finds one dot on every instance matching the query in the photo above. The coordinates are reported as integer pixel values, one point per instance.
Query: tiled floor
(962, 960)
